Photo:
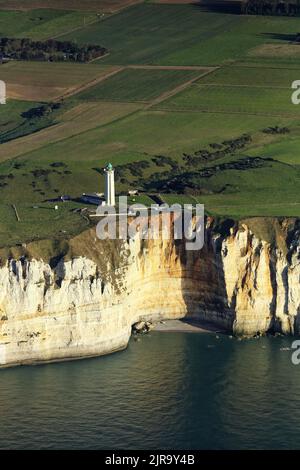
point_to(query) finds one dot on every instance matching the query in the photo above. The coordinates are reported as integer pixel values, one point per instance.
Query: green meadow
(285, 150)
(41, 24)
(11, 115)
(35, 221)
(149, 34)
(268, 76)
(183, 35)
(178, 83)
(13, 124)
(138, 85)
(234, 99)
(145, 134)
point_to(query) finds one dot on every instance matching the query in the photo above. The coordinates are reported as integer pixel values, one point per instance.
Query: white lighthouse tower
(110, 197)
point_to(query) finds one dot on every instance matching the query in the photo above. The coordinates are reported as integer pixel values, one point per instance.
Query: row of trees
(50, 50)
(228, 147)
(270, 7)
(41, 111)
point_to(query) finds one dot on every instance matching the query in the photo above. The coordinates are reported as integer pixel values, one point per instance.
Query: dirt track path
(168, 94)
(74, 29)
(223, 111)
(85, 86)
(171, 67)
(105, 16)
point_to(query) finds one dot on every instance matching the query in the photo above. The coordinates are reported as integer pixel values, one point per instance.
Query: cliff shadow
(203, 282)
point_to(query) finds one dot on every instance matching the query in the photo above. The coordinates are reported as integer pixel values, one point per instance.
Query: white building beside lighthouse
(2, 92)
(110, 196)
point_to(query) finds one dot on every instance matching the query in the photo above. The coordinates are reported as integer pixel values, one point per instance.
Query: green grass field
(285, 150)
(250, 75)
(152, 34)
(145, 134)
(234, 99)
(35, 221)
(141, 114)
(138, 85)
(86, 5)
(10, 115)
(14, 125)
(183, 35)
(41, 24)
(56, 26)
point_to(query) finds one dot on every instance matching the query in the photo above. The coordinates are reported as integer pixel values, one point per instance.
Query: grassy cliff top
(275, 231)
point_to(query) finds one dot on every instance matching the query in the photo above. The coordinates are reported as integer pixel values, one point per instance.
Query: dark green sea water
(167, 391)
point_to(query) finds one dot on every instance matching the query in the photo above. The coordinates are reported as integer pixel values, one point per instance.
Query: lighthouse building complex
(110, 197)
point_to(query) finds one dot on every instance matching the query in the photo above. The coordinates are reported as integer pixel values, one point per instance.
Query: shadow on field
(230, 7)
(281, 36)
(98, 170)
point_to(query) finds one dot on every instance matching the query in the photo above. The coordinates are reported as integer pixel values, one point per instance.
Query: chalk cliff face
(262, 282)
(85, 302)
